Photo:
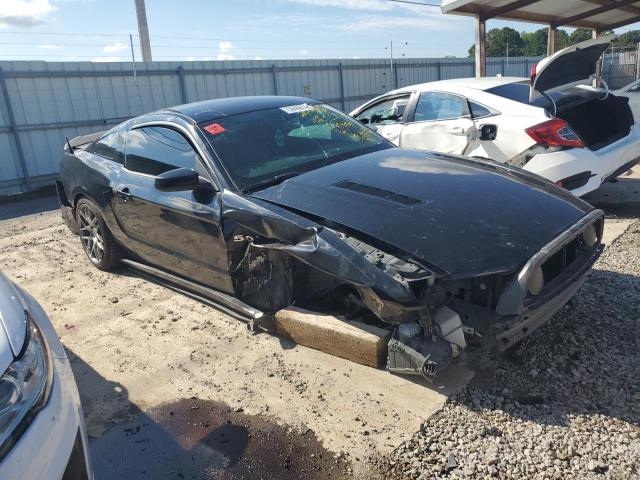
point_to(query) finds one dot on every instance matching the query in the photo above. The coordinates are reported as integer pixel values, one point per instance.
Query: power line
(66, 34)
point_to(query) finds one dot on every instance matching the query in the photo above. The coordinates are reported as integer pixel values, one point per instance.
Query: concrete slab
(614, 228)
(148, 345)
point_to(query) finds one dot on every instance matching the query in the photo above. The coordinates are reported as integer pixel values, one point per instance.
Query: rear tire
(97, 242)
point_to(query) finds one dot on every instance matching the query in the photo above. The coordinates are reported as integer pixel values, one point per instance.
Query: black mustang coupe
(254, 204)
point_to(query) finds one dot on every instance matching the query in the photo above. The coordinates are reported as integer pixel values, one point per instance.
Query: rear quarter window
(518, 92)
(110, 147)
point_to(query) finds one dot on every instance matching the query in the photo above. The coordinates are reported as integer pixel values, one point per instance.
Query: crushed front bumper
(529, 312)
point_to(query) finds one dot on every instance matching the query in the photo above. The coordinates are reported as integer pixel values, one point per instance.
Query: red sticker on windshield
(214, 129)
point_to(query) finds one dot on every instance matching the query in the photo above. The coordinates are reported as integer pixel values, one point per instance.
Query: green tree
(580, 35)
(535, 43)
(562, 40)
(500, 41)
(630, 38)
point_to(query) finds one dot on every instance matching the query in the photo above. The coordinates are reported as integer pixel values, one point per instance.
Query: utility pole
(133, 59)
(481, 42)
(507, 57)
(391, 48)
(143, 31)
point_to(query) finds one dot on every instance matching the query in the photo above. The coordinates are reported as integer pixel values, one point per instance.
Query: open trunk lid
(571, 66)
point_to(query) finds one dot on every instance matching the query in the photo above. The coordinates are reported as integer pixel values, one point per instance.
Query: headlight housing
(24, 388)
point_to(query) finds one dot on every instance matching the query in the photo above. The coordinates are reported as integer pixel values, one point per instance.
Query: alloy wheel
(91, 234)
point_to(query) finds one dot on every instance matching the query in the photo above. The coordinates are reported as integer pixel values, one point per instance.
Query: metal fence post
(439, 70)
(274, 74)
(395, 75)
(341, 73)
(503, 66)
(183, 85)
(14, 130)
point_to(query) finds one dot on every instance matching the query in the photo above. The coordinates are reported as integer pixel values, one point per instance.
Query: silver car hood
(13, 322)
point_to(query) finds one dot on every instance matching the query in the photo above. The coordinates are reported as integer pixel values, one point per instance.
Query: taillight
(534, 72)
(555, 132)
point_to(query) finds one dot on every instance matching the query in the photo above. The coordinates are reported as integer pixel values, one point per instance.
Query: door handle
(458, 131)
(124, 194)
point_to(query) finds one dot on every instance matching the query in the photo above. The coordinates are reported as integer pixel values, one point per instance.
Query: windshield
(258, 148)
(519, 92)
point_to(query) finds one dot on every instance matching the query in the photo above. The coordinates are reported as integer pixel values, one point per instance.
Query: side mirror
(488, 132)
(178, 180)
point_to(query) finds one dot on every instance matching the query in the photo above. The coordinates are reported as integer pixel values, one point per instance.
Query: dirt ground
(144, 355)
(136, 345)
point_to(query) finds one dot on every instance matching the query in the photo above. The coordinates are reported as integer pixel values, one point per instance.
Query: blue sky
(59, 30)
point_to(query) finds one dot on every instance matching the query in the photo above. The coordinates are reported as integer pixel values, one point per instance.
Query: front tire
(96, 240)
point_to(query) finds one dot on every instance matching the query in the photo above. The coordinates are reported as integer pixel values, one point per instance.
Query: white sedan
(42, 433)
(554, 124)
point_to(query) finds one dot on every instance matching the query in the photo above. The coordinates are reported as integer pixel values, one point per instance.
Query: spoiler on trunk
(83, 140)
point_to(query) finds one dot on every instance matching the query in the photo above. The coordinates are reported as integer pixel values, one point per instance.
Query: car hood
(571, 66)
(459, 216)
(13, 322)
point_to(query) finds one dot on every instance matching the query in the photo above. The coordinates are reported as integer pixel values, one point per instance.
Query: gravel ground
(566, 404)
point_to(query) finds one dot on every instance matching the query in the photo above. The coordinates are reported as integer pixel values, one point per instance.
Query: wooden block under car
(355, 341)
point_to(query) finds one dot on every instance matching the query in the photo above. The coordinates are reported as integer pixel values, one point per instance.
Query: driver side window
(155, 150)
(385, 112)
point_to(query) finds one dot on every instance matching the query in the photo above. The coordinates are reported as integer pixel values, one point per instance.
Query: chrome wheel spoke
(91, 234)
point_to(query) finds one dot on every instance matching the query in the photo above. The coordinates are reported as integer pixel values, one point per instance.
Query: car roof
(209, 110)
(483, 83)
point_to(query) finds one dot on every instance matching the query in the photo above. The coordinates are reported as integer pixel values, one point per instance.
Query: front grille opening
(561, 260)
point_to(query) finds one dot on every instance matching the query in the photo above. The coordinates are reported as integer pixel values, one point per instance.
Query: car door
(386, 115)
(179, 232)
(493, 147)
(441, 122)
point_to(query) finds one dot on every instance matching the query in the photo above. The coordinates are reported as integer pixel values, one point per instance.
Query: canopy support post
(596, 80)
(481, 51)
(551, 41)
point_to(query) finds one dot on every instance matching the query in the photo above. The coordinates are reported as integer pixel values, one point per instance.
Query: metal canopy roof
(593, 14)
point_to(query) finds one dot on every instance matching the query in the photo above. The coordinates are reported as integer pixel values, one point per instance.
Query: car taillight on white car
(555, 132)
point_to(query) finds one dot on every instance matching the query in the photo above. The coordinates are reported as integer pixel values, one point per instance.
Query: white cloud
(24, 13)
(379, 5)
(46, 46)
(206, 59)
(379, 22)
(258, 58)
(224, 46)
(223, 50)
(369, 5)
(114, 48)
(304, 52)
(106, 59)
(190, 59)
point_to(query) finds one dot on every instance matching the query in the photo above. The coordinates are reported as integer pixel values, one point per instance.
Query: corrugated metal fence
(41, 103)
(621, 68)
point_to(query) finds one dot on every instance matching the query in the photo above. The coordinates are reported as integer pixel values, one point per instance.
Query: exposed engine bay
(432, 317)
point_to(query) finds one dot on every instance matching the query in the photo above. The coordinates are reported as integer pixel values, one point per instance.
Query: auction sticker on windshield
(297, 108)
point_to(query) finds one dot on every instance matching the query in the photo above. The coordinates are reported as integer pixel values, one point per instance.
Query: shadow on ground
(27, 205)
(192, 439)
(620, 198)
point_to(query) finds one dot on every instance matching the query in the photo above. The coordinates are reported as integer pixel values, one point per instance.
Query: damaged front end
(279, 258)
